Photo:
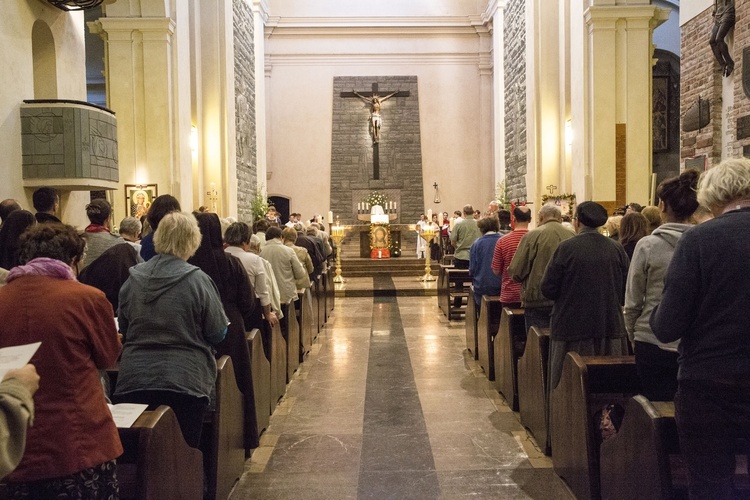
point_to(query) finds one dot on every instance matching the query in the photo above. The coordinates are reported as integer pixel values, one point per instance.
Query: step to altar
(394, 286)
(356, 267)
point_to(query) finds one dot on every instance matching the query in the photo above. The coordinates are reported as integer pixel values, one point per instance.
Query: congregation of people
(667, 283)
(159, 302)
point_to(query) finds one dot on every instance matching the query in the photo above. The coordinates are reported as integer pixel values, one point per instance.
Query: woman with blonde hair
(704, 305)
(171, 316)
(633, 227)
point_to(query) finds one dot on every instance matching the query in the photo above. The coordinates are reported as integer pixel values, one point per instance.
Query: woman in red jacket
(72, 446)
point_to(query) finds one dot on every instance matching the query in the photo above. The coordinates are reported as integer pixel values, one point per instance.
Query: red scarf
(96, 228)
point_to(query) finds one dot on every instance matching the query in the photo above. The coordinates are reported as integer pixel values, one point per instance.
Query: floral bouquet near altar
(376, 198)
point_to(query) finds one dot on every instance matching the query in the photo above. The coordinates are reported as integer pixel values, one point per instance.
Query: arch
(282, 205)
(45, 61)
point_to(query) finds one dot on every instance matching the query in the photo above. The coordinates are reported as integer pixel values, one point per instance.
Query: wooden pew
(278, 352)
(489, 322)
(320, 302)
(509, 345)
(587, 384)
(453, 287)
(315, 303)
(472, 317)
(648, 441)
(156, 462)
(330, 291)
(222, 440)
(261, 369)
(292, 343)
(532, 385)
(305, 318)
(442, 288)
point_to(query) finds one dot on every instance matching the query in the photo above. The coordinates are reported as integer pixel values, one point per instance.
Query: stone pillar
(218, 144)
(618, 53)
(138, 66)
(260, 16)
(485, 112)
(495, 26)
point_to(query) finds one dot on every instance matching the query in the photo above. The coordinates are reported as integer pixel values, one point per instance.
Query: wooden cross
(375, 97)
(551, 188)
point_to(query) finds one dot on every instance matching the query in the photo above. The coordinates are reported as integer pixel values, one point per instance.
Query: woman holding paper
(71, 448)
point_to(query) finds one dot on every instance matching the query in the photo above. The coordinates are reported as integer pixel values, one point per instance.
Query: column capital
(602, 13)
(122, 27)
(260, 7)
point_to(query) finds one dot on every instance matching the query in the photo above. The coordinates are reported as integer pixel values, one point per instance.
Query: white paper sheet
(16, 356)
(124, 414)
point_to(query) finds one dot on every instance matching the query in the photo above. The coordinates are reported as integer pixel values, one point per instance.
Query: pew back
(587, 384)
(508, 347)
(261, 369)
(472, 317)
(532, 385)
(156, 462)
(223, 434)
(489, 322)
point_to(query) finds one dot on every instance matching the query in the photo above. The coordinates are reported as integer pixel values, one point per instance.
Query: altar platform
(365, 277)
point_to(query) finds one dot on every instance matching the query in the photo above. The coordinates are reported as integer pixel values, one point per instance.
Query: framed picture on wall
(138, 198)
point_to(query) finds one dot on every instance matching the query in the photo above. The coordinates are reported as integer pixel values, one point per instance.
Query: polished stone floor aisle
(391, 405)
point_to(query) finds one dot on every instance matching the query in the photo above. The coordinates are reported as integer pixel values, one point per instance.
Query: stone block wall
(515, 98)
(741, 106)
(701, 76)
(244, 90)
(399, 147)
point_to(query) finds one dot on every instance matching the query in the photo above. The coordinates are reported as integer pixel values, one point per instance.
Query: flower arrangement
(259, 204)
(376, 198)
(502, 195)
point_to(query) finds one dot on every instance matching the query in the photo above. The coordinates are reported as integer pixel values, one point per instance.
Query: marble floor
(389, 404)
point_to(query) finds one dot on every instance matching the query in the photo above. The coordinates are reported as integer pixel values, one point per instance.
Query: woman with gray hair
(170, 317)
(705, 303)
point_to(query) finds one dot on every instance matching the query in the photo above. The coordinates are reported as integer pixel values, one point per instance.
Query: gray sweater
(645, 283)
(170, 313)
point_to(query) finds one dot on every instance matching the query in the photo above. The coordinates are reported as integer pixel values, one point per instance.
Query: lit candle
(429, 215)
(330, 217)
(440, 219)
(452, 221)
(395, 205)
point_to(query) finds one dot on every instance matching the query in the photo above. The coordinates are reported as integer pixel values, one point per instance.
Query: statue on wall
(724, 18)
(375, 102)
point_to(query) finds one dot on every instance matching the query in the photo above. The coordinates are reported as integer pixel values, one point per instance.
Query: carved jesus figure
(724, 19)
(375, 120)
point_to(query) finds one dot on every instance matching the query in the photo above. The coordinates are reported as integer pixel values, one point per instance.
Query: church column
(494, 16)
(217, 138)
(618, 52)
(260, 16)
(138, 65)
(485, 111)
(545, 102)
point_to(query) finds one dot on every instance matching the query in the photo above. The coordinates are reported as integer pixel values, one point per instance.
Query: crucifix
(551, 188)
(375, 101)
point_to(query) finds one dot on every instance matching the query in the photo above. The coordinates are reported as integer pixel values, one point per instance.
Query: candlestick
(330, 217)
(429, 214)
(440, 219)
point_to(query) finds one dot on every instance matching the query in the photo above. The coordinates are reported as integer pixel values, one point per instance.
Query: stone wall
(741, 108)
(244, 88)
(515, 98)
(701, 76)
(399, 148)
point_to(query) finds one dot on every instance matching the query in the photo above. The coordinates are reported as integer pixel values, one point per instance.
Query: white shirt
(256, 271)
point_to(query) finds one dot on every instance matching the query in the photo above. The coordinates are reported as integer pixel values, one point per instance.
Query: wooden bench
(305, 318)
(292, 343)
(320, 302)
(648, 441)
(472, 317)
(278, 352)
(532, 385)
(156, 462)
(489, 322)
(222, 441)
(330, 292)
(509, 345)
(587, 384)
(453, 291)
(261, 369)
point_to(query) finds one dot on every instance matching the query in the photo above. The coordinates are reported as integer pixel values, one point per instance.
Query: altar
(397, 236)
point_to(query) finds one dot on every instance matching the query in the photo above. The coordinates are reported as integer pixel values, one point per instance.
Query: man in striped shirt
(505, 249)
